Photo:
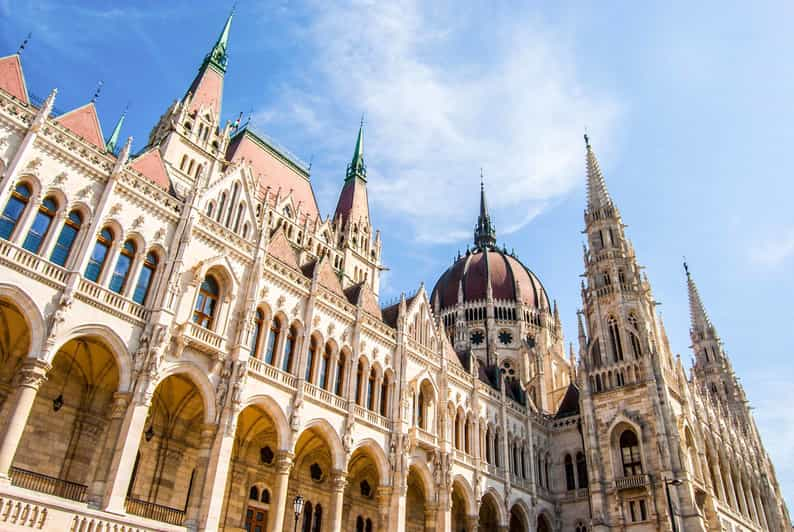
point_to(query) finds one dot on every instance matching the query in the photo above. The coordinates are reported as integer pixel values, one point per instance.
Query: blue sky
(688, 108)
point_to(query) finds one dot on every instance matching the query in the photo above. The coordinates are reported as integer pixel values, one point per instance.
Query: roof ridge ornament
(24, 43)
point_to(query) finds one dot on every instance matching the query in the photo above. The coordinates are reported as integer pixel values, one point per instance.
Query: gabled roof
(570, 403)
(280, 248)
(150, 164)
(328, 278)
(362, 294)
(12, 80)
(84, 122)
(389, 315)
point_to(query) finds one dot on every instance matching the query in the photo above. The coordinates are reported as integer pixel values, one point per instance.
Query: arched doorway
(361, 493)
(489, 513)
(312, 478)
(71, 413)
(543, 524)
(459, 508)
(167, 476)
(14, 345)
(253, 471)
(518, 520)
(415, 509)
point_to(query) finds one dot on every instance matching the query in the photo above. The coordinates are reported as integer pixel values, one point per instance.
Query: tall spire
(485, 232)
(597, 193)
(357, 168)
(218, 56)
(113, 141)
(699, 320)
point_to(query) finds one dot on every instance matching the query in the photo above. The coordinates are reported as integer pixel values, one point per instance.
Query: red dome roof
(509, 280)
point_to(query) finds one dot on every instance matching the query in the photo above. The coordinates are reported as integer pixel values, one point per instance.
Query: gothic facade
(188, 344)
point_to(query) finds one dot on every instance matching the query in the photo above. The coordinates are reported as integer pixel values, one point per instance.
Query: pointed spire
(219, 56)
(113, 141)
(699, 320)
(357, 168)
(485, 232)
(597, 193)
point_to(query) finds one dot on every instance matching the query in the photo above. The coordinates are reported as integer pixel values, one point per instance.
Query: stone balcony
(631, 483)
(422, 437)
(203, 340)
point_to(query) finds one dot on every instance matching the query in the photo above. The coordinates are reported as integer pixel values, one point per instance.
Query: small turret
(484, 232)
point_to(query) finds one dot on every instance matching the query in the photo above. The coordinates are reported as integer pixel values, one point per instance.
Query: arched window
(122, 271)
(420, 408)
(307, 517)
(265, 496)
(359, 382)
(581, 470)
(466, 435)
(311, 354)
(368, 525)
(63, 246)
(570, 480)
(371, 390)
(458, 422)
(145, 278)
(359, 524)
(318, 519)
(99, 255)
(636, 347)
(384, 396)
(614, 338)
(497, 457)
(289, 350)
(630, 454)
(16, 205)
(210, 208)
(596, 353)
(239, 218)
(340, 373)
(256, 337)
(184, 161)
(41, 225)
(272, 341)
(253, 493)
(325, 361)
(221, 205)
(206, 303)
(488, 446)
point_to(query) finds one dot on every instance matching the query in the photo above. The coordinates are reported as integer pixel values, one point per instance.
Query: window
(310, 356)
(266, 455)
(420, 409)
(256, 336)
(272, 341)
(318, 519)
(371, 390)
(99, 255)
(477, 337)
(41, 225)
(636, 347)
(122, 270)
(316, 472)
(570, 481)
(325, 361)
(359, 381)
(307, 517)
(630, 454)
(581, 470)
(340, 373)
(384, 396)
(638, 511)
(596, 353)
(14, 209)
(207, 303)
(145, 278)
(581, 527)
(505, 337)
(289, 350)
(614, 338)
(366, 489)
(63, 246)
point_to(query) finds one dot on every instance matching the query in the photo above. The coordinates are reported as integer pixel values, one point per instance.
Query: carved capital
(121, 400)
(283, 462)
(32, 374)
(338, 480)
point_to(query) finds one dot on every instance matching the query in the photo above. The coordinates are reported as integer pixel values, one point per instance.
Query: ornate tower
(361, 248)
(189, 135)
(628, 378)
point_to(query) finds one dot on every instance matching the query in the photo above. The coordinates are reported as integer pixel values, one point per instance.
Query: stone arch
(544, 521)
(467, 492)
(112, 341)
(331, 438)
(32, 180)
(492, 502)
(421, 469)
(199, 379)
(272, 409)
(375, 452)
(30, 312)
(616, 429)
(519, 517)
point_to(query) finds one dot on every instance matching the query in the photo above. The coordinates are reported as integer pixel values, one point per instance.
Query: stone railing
(632, 482)
(22, 514)
(422, 436)
(204, 339)
(126, 308)
(31, 480)
(158, 512)
(31, 264)
(271, 373)
(326, 397)
(371, 417)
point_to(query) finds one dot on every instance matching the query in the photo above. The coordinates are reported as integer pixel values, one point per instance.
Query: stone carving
(33, 165)
(138, 222)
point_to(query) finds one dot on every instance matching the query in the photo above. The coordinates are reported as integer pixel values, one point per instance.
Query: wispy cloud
(441, 104)
(774, 251)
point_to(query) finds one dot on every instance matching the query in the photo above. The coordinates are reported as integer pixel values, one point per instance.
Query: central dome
(510, 281)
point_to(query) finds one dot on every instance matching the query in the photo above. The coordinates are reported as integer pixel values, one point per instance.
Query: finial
(686, 267)
(586, 139)
(97, 91)
(311, 161)
(24, 43)
(482, 179)
(361, 124)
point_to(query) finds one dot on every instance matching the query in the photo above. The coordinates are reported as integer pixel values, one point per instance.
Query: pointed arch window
(240, 209)
(614, 339)
(63, 246)
(17, 203)
(630, 454)
(325, 362)
(289, 350)
(636, 347)
(570, 480)
(256, 337)
(122, 270)
(420, 408)
(340, 373)
(359, 382)
(41, 225)
(272, 341)
(384, 395)
(581, 469)
(99, 255)
(596, 354)
(207, 303)
(371, 390)
(311, 355)
(145, 278)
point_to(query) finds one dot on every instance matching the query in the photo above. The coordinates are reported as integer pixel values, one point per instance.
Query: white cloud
(446, 94)
(775, 250)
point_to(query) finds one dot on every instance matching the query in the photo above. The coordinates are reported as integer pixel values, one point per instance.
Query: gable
(151, 165)
(84, 122)
(327, 277)
(368, 301)
(280, 248)
(12, 80)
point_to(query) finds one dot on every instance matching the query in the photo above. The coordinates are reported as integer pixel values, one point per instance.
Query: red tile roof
(84, 122)
(12, 80)
(150, 164)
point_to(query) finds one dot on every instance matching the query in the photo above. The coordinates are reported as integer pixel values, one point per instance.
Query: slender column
(338, 483)
(281, 487)
(31, 376)
(218, 473)
(194, 509)
(52, 233)
(383, 496)
(444, 512)
(26, 220)
(97, 486)
(124, 458)
(110, 262)
(398, 505)
(472, 523)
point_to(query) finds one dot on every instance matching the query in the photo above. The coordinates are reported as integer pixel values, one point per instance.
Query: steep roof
(570, 403)
(12, 80)
(280, 248)
(84, 122)
(150, 164)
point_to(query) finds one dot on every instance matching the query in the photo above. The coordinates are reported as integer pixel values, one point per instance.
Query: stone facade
(188, 345)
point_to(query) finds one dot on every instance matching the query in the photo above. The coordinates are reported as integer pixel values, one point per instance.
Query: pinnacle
(697, 312)
(597, 193)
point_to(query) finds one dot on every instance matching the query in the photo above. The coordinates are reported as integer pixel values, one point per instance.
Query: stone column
(197, 502)
(472, 523)
(31, 376)
(338, 483)
(444, 512)
(124, 457)
(398, 504)
(383, 496)
(218, 473)
(97, 486)
(281, 487)
(430, 517)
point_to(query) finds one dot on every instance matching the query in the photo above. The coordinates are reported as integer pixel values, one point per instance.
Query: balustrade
(31, 480)
(158, 512)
